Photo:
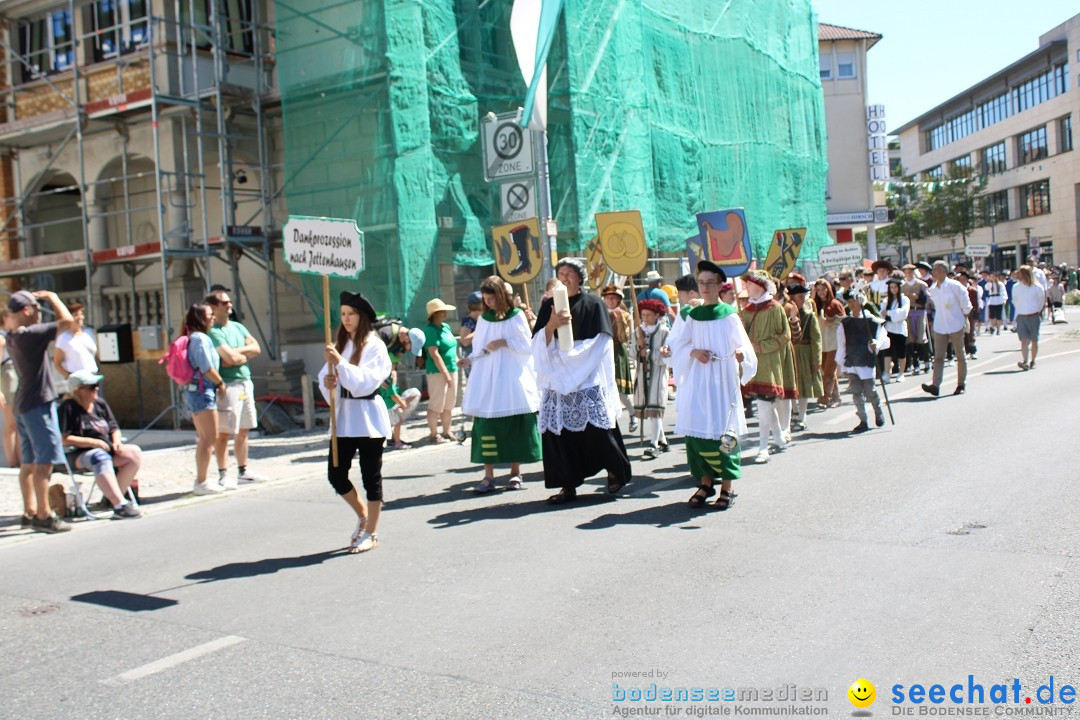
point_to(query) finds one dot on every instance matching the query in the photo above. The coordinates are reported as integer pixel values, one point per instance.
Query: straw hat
(437, 305)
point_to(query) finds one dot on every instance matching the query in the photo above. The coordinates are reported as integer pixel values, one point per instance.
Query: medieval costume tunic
(502, 395)
(808, 356)
(709, 403)
(620, 330)
(918, 340)
(766, 324)
(579, 402)
(651, 385)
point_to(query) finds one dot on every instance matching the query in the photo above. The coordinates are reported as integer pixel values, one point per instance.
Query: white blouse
(503, 381)
(356, 417)
(896, 315)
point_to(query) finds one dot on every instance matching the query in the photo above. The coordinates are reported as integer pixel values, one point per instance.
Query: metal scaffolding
(199, 76)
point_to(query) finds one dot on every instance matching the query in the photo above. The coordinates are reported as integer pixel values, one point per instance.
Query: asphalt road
(923, 552)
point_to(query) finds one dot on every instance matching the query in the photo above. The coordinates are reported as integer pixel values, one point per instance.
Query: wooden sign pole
(638, 346)
(333, 372)
(525, 294)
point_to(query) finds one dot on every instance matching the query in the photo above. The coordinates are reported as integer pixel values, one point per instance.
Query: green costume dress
(767, 326)
(808, 355)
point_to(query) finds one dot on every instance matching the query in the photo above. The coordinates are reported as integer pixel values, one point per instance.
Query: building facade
(855, 133)
(1015, 128)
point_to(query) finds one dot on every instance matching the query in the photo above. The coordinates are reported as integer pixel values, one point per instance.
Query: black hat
(923, 265)
(893, 280)
(709, 266)
(359, 302)
(798, 289)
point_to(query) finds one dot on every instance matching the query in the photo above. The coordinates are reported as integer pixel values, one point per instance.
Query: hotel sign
(878, 143)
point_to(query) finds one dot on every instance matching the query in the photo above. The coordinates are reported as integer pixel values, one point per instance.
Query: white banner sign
(518, 200)
(323, 246)
(977, 250)
(842, 255)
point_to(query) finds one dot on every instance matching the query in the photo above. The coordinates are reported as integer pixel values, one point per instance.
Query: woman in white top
(1029, 299)
(895, 308)
(76, 349)
(995, 302)
(502, 394)
(360, 364)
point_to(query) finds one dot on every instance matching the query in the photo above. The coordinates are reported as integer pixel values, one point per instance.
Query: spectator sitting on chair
(88, 425)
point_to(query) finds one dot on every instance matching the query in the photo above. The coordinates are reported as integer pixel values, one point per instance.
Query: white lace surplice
(502, 382)
(577, 387)
(709, 401)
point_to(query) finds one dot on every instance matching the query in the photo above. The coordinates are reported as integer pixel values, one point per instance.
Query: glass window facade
(1032, 146)
(845, 65)
(1039, 89)
(961, 166)
(825, 64)
(1035, 199)
(934, 173)
(996, 207)
(47, 45)
(121, 27)
(1065, 131)
(993, 159)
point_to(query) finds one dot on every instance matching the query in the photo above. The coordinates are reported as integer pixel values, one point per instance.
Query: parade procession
(538, 358)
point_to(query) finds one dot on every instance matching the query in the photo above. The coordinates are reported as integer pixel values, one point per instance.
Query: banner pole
(638, 346)
(333, 372)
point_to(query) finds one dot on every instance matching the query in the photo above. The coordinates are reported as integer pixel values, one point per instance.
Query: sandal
(563, 496)
(1022, 365)
(613, 485)
(697, 499)
(514, 483)
(726, 500)
(436, 439)
(486, 485)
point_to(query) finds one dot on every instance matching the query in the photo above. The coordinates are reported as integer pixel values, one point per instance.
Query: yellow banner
(595, 266)
(784, 252)
(518, 258)
(622, 240)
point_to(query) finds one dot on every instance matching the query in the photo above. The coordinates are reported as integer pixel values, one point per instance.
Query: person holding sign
(579, 402)
(501, 394)
(356, 366)
(713, 357)
(441, 347)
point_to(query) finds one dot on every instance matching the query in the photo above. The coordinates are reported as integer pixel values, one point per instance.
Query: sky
(935, 49)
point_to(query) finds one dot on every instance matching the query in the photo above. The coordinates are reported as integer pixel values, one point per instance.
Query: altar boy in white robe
(714, 357)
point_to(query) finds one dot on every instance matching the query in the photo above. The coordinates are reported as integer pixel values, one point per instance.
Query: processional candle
(562, 302)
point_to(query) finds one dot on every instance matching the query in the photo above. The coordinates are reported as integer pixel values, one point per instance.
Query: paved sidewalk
(168, 473)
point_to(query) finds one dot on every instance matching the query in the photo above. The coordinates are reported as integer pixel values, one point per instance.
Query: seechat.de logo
(862, 693)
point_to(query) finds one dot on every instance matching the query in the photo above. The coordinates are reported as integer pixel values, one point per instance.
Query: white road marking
(173, 660)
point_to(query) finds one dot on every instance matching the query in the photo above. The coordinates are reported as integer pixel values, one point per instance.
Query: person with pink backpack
(201, 388)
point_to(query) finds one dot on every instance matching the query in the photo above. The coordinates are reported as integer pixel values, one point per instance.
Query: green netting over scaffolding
(671, 108)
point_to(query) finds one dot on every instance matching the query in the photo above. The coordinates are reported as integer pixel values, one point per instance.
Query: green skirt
(706, 459)
(514, 439)
(624, 382)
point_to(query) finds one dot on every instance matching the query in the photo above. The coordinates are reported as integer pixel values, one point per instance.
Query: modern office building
(1016, 128)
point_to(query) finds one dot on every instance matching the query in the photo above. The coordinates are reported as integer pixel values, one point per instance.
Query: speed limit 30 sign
(508, 148)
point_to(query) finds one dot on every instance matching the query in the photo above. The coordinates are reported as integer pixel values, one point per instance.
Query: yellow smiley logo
(862, 693)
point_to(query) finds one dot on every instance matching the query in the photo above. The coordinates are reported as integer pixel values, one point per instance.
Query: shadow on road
(120, 600)
(661, 516)
(267, 566)
(512, 511)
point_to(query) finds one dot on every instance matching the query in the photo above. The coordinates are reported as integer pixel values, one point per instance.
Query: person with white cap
(653, 292)
(401, 404)
(35, 403)
(89, 426)
(441, 346)
(859, 339)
